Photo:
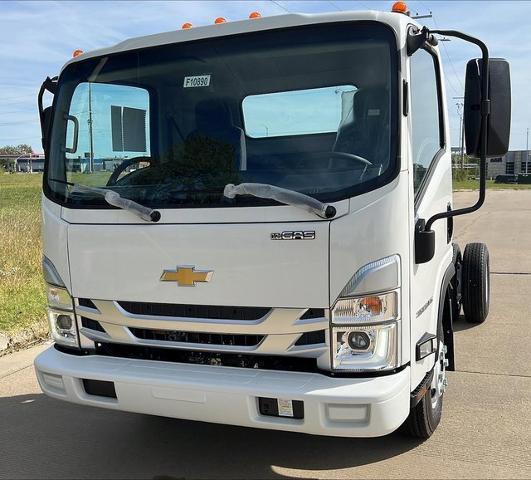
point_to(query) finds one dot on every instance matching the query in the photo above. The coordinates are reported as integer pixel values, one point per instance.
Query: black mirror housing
(499, 120)
(45, 127)
(424, 242)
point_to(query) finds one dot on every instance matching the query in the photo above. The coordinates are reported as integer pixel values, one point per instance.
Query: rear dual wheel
(476, 282)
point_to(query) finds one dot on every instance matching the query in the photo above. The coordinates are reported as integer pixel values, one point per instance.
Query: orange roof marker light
(255, 15)
(400, 7)
(219, 20)
(77, 53)
(187, 26)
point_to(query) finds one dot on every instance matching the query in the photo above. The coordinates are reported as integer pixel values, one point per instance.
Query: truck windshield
(311, 109)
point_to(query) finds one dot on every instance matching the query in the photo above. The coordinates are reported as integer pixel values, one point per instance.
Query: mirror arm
(50, 85)
(485, 111)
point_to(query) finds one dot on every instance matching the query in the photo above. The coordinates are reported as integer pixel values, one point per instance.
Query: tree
(13, 151)
(21, 149)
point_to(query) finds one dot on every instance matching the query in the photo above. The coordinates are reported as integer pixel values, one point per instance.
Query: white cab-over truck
(250, 223)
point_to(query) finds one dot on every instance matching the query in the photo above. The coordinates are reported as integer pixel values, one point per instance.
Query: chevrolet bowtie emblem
(186, 276)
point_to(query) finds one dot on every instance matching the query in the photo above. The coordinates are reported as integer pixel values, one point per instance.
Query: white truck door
(432, 189)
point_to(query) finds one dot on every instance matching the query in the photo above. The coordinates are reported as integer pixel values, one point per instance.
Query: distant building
(514, 162)
(30, 163)
(33, 162)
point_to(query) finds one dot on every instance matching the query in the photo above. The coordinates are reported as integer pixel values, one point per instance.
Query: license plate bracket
(281, 407)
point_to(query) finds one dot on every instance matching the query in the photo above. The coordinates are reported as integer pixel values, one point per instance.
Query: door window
(426, 135)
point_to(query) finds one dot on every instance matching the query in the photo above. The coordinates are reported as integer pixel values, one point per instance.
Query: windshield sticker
(196, 81)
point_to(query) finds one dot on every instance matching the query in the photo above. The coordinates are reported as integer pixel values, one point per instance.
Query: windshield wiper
(282, 195)
(113, 198)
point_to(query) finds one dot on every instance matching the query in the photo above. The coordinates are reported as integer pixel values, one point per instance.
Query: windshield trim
(337, 196)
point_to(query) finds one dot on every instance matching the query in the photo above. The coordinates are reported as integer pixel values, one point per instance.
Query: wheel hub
(440, 379)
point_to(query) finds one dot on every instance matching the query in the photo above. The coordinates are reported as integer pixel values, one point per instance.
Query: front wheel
(426, 415)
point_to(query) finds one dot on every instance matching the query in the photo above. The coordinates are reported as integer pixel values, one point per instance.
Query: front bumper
(345, 407)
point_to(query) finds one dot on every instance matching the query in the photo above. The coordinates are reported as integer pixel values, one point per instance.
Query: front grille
(266, 362)
(194, 311)
(197, 337)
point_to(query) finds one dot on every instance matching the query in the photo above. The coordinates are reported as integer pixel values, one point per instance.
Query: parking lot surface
(485, 431)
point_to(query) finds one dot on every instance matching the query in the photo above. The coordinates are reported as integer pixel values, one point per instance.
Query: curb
(24, 339)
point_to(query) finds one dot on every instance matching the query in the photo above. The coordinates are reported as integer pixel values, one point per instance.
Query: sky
(39, 37)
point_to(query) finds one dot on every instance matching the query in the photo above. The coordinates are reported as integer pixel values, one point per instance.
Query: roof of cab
(396, 20)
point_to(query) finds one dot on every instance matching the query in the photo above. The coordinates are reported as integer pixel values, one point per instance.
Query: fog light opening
(64, 322)
(358, 341)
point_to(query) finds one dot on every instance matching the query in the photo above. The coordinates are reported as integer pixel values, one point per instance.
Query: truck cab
(251, 223)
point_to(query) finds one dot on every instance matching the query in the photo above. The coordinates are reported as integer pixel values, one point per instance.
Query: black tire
(423, 418)
(476, 282)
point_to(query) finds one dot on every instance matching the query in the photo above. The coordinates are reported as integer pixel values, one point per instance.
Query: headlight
(365, 332)
(58, 297)
(61, 315)
(365, 328)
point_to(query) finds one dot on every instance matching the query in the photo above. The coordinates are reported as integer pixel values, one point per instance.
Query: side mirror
(424, 242)
(499, 121)
(45, 127)
(45, 114)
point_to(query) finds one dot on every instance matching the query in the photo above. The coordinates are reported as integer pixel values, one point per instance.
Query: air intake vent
(311, 338)
(313, 313)
(194, 311)
(197, 337)
(86, 302)
(92, 324)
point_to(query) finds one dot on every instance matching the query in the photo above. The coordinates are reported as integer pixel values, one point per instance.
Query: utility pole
(461, 114)
(91, 158)
(527, 151)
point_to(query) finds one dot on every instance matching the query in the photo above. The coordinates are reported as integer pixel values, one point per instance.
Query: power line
(28, 95)
(448, 56)
(334, 5)
(23, 110)
(10, 139)
(21, 122)
(363, 4)
(278, 4)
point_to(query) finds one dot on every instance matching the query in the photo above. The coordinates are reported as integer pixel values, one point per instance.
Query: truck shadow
(43, 437)
(462, 325)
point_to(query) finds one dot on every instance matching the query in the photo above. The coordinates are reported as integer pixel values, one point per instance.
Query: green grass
(474, 185)
(22, 294)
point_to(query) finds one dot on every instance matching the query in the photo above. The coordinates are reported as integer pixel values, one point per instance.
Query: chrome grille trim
(277, 322)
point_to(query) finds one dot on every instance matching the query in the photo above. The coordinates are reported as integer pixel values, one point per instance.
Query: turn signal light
(400, 7)
(186, 26)
(77, 53)
(255, 15)
(220, 20)
(372, 304)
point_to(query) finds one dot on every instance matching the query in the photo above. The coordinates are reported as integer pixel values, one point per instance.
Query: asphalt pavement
(485, 431)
